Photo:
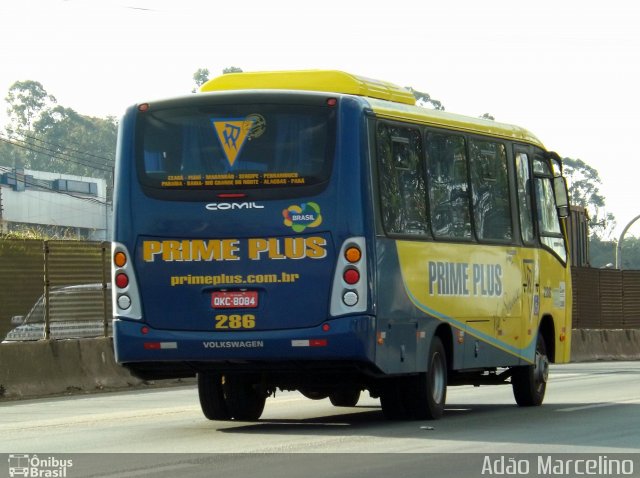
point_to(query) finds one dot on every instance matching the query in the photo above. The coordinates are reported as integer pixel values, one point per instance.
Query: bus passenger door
(529, 257)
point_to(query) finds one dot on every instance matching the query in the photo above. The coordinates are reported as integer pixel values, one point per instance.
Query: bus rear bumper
(345, 339)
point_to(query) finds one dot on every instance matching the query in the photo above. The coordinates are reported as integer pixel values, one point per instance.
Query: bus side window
(548, 220)
(448, 186)
(490, 187)
(525, 209)
(401, 178)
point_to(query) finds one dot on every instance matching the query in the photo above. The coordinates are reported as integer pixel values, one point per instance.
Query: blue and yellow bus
(317, 231)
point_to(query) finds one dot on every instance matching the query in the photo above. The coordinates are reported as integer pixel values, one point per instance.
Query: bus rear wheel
(230, 397)
(211, 394)
(432, 386)
(422, 396)
(395, 398)
(345, 397)
(314, 394)
(530, 382)
(244, 397)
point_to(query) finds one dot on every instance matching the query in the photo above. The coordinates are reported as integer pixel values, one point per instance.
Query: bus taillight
(349, 292)
(350, 298)
(126, 299)
(124, 302)
(119, 259)
(122, 280)
(351, 276)
(352, 255)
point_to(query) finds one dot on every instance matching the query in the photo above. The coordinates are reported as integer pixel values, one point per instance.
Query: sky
(567, 70)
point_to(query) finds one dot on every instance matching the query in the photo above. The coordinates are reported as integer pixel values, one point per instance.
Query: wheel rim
(541, 370)
(437, 378)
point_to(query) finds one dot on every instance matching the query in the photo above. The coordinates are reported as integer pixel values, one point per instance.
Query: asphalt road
(591, 409)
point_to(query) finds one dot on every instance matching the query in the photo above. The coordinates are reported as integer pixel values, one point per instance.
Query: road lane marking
(599, 405)
(148, 471)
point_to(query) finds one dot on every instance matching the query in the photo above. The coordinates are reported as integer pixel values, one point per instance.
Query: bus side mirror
(562, 196)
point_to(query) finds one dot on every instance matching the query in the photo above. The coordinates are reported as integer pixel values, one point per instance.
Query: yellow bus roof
(398, 104)
(313, 80)
(443, 119)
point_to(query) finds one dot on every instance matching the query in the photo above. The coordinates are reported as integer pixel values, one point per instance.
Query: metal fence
(605, 298)
(56, 289)
(61, 290)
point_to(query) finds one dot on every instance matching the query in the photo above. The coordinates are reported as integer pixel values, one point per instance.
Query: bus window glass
(557, 167)
(402, 187)
(490, 188)
(540, 168)
(448, 186)
(524, 197)
(240, 147)
(548, 222)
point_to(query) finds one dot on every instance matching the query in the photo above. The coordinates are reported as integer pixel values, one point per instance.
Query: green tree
(630, 253)
(584, 190)
(76, 144)
(425, 100)
(26, 101)
(43, 135)
(602, 253)
(201, 76)
(488, 116)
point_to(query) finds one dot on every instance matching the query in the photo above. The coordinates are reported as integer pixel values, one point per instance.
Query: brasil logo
(300, 217)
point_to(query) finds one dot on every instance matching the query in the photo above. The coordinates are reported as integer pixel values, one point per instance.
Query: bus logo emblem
(300, 217)
(225, 206)
(232, 134)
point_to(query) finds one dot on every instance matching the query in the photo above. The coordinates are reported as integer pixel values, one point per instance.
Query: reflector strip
(160, 345)
(309, 343)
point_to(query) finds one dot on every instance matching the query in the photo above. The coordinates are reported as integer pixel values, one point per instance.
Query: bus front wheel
(530, 382)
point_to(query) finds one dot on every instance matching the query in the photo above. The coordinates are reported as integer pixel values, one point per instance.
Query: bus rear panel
(246, 245)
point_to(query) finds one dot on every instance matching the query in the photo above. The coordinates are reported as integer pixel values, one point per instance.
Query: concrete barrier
(588, 345)
(33, 369)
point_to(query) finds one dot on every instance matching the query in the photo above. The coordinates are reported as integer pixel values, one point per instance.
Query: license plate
(240, 299)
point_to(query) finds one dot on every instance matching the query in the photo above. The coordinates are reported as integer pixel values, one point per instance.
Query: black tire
(422, 396)
(431, 386)
(211, 396)
(314, 394)
(530, 382)
(345, 397)
(244, 397)
(394, 399)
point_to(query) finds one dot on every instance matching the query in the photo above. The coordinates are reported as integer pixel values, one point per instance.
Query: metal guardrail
(54, 289)
(64, 287)
(605, 298)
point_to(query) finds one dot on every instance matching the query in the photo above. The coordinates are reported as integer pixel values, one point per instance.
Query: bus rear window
(253, 148)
